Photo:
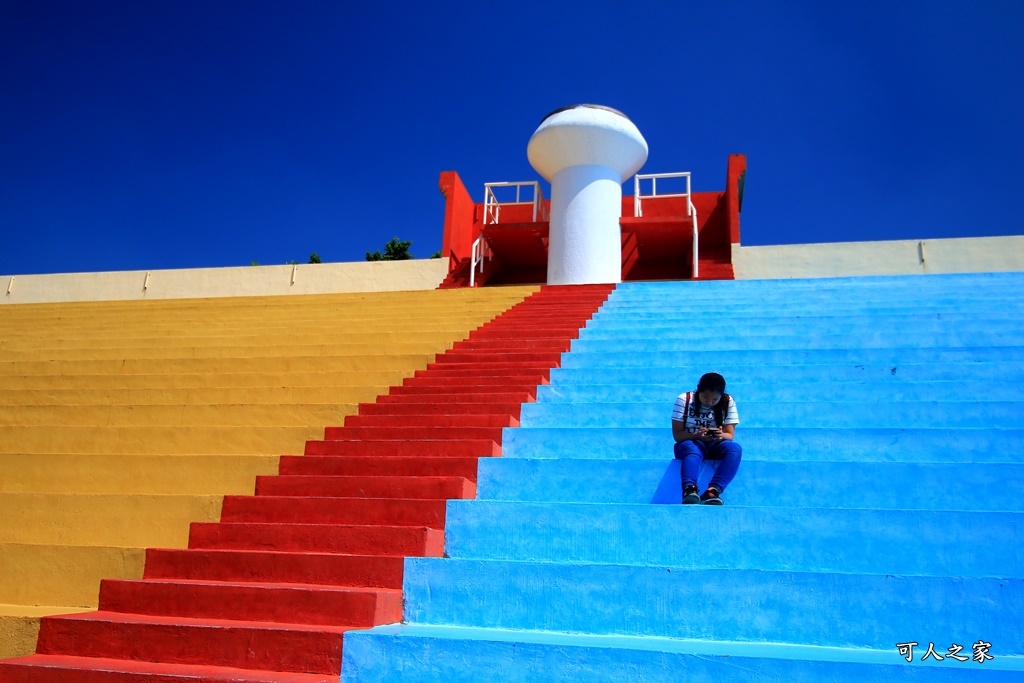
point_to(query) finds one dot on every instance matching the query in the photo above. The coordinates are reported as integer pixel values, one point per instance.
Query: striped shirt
(694, 415)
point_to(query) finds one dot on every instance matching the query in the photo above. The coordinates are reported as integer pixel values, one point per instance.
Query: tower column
(586, 152)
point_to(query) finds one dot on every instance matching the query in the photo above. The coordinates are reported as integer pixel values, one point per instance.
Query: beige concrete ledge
(896, 257)
(319, 278)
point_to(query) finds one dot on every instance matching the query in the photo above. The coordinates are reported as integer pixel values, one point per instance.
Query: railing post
(693, 212)
(637, 213)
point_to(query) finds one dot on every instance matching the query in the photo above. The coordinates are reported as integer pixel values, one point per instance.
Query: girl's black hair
(712, 381)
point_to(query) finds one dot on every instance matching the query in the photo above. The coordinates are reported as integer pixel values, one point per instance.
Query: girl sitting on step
(704, 426)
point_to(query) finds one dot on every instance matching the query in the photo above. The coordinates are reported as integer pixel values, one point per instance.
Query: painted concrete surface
(320, 278)
(753, 605)
(765, 483)
(895, 257)
(781, 444)
(877, 503)
(421, 653)
(122, 422)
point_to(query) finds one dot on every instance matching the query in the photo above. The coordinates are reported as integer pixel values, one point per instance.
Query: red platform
(656, 246)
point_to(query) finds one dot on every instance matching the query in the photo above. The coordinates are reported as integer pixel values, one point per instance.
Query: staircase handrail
(653, 177)
(693, 214)
(481, 250)
(691, 210)
(492, 207)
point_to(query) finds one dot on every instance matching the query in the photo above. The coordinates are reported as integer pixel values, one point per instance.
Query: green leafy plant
(394, 250)
(314, 257)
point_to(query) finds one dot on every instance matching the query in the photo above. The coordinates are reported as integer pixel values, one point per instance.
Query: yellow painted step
(286, 415)
(192, 396)
(47, 329)
(226, 351)
(464, 298)
(142, 520)
(157, 440)
(353, 378)
(37, 575)
(342, 337)
(169, 474)
(372, 317)
(146, 312)
(19, 627)
(213, 365)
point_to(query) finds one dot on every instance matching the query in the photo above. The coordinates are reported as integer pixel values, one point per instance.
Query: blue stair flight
(875, 525)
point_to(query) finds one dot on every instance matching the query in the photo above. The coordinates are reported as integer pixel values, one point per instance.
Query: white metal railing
(492, 207)
(481, 250)
(691, 211)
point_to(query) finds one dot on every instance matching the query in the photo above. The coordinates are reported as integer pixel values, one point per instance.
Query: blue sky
(146, 134)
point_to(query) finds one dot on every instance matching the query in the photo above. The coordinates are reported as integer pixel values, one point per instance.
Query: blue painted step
(872, 485)
(684, 375)
(776, 338)
(960, 543)
(742, 357)
(777, 444)
(753, 605)
(823, 391)
(840, 415)
(424, 654)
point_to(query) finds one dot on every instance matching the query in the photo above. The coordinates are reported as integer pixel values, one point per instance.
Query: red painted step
(456, 448)
(502, 357)
(401, 424)
(241, 644)
(287, 603)
(371, 571)
(413, 433)
(65, 669)
(478, 377)
(412, 466)
(468, 395)
(347, 539)
(365, 487)
(545, 344)
(470, 368)
(417, 405)
(321, 510)
(267, 593)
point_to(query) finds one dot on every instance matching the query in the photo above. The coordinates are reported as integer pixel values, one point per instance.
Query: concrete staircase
(267, 593)
(878, 502)
(122, 422)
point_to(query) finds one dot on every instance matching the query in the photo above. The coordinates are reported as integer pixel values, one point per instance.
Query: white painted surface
(895, 257)
(587, 247)
(319, 278)
(586, 154)
(840, 259)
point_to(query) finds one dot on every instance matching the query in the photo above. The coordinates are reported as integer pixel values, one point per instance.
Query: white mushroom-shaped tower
(586, 152)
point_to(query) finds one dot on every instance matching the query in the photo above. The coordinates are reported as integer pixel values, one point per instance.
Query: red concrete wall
(735, 174)
(459, 214)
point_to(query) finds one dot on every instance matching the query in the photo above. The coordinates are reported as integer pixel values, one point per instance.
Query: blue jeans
(725, 456)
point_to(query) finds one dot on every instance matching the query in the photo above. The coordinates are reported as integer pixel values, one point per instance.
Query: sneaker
(690, 496)
(710, 497)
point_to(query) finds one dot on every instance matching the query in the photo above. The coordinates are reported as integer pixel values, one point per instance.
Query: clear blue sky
(174, 134)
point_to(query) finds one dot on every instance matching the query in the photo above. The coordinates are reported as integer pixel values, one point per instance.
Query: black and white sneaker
(690, 496)
(711, 497)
